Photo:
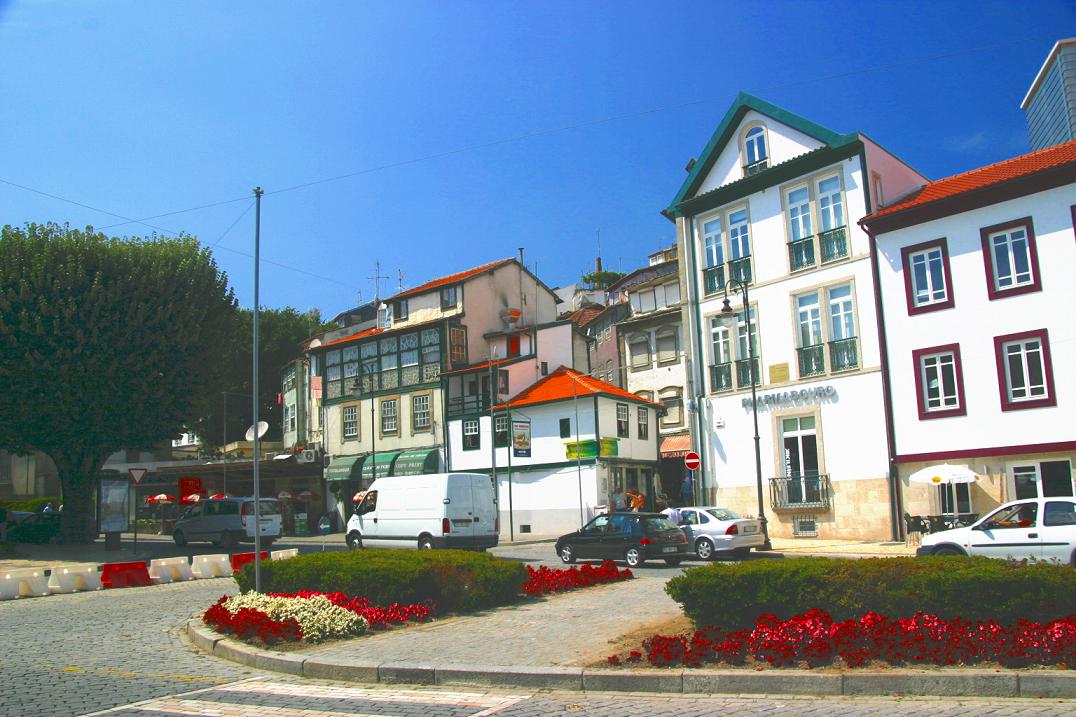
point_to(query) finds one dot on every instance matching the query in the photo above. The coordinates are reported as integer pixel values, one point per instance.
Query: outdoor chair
(914, 527)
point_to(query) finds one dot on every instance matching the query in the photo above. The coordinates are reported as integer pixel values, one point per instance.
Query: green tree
(105, 344)
(281, 333)
(601, 279)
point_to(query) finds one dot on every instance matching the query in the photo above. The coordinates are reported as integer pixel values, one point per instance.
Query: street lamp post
(729, 318)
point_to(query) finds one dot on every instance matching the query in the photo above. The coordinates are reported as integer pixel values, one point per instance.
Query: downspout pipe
(699, 395)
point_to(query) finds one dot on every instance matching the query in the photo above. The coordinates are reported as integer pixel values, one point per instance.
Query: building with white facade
(773, 202)
(560, 446)
(976, 293)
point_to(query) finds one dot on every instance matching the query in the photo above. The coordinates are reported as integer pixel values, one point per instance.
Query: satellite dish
(315, 343)
(262, 428)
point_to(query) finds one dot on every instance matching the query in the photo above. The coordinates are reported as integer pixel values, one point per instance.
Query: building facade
(772, 205)
(1050, 102)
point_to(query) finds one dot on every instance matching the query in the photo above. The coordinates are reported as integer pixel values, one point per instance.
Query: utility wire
(230, 226)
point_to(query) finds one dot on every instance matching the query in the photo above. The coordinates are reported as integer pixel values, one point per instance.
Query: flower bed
(814, 639)
(550, 580)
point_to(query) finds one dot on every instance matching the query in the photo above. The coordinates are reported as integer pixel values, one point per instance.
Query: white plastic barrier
(167, 570)
(284, 554)
(72, 578)
(27, 582)
(211, 566)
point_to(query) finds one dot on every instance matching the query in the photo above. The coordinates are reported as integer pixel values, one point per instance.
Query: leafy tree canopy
(105, 344)
(601, 279)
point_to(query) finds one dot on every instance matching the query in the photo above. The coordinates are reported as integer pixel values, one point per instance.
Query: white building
(561, 444)
(773, 202)
(977, 294)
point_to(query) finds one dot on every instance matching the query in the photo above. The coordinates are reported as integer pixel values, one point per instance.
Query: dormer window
(756, 158)
(384, 317)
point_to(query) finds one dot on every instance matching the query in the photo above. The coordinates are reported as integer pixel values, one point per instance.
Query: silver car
(711, 530)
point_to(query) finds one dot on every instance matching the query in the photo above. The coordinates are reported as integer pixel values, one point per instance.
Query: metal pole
(254, 401)
(224, 485)
(511, 447)
(754, 412)
(579, 451)
(493, 427)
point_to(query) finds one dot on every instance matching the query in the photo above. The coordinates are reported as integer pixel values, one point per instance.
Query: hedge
(733, 595)
(30, 505)
(454, 580)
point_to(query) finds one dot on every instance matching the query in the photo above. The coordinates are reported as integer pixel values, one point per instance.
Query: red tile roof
(565, 383)
(451, 279)
(582, 317)
(983, 177)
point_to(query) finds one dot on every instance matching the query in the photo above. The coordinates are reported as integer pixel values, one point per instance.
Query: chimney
(598, 264)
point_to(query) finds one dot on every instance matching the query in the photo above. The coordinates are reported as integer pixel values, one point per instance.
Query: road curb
(928, 683)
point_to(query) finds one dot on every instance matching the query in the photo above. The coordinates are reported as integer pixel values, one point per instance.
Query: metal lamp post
(730, 319)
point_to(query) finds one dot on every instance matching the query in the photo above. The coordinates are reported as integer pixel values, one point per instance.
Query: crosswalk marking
(437, 697)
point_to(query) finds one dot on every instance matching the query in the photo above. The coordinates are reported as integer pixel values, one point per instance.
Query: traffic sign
(137, 474)
(692, 461)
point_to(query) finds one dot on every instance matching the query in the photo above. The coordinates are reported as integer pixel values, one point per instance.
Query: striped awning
(414, 463)
(343, 468)
(675, 446)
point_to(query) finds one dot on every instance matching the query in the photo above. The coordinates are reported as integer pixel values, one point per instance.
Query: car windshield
(723, 513)
(658, 523)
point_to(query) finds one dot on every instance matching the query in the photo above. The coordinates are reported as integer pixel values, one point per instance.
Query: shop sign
(590, 448)
(818, 394)
(521, 438)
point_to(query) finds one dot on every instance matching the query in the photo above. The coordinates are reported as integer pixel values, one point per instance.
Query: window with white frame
(292, 416)
(622, 420)
(1024, 370)
(668, 346)
(384, 317)
(388, 416)
(727, 254)
(720, 357)
(713, 243)
(644, 423)
(826, 343)
(420, 412)
(1011, 258)
(500, 431)
(830, 206)
(739, 243)
(639, 348)
(349, 418)
(672, 397)
(927, 280)
(755, 154)
(799, 214)
(471, 438)
(939, 382)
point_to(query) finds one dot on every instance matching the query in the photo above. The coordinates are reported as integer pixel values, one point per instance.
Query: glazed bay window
(1012, 264)
(349, 419)
(334, 374)
(388, 416)
(721, 357)
(801, 238)
(471, 438)
(927, 282)
(938, 381)
(431, 354)
(644, 423)
(420, 412)
(622, 420)
(832, 235)
(500, 431)
(1025, 375)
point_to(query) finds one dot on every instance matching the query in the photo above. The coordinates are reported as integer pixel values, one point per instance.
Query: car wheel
(567, 553)
(947, 550)
(354, 540)
(425, 542)
(704, 549)
(180, 538)
(633, 557)
(227, 540)
(672, 562)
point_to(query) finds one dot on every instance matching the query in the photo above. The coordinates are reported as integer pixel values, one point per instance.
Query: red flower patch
(379, 617)
(551, 580)
(247, 624)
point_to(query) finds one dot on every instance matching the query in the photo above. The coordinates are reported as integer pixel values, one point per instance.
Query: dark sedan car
(34, 527)
(631, 537)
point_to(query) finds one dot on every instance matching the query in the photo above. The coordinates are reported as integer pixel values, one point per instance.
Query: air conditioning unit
(309, 456)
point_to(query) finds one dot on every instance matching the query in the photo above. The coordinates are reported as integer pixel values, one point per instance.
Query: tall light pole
(730, 319)
(257, 494)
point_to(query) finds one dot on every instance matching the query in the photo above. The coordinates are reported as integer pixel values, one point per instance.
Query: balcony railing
(801, 253)
(463, 405)
(834, 244)
(713, 279)
(740, 269)
(721, 377)
(843, 354)
(755, 167)
(811, 491)
(743, 372)
(812, 360)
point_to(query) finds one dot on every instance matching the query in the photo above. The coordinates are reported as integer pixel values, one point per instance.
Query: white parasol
(945, 474)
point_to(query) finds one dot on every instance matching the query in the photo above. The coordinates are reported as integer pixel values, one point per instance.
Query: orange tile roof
(982, 177)
(451, 279)
(565, 383)
(582, 317)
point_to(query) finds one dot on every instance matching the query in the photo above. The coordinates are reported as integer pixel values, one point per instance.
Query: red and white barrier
(133, 574)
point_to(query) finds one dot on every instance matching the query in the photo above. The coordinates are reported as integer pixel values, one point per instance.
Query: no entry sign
(692, 461)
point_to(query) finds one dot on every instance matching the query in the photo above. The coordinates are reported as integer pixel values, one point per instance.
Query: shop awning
(675, 446)
(383, 462)
(413, 463)
(343, 468)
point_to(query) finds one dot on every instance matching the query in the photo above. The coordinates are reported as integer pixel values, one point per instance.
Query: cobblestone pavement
(311, 698)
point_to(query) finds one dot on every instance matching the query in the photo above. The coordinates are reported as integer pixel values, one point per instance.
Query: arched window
(673, 400)
(754, 151)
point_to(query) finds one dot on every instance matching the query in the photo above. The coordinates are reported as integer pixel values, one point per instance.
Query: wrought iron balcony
(721, 377)
(801, 253)
(843, 354)
(465, 405)
(755, 167)
(812, 360)
(740, 269)
(713, 279)
(743, 372)
(808, 492)
(834, 244)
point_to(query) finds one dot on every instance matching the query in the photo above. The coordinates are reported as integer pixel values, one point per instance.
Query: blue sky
(464, 130)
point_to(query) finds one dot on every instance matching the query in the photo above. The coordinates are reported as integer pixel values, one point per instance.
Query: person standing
(638, 500)
(620, 502)
(687, 491)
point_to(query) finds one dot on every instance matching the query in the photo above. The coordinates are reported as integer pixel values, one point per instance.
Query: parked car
(436, 510)
(1038, 528)
(631, 537)
(33, 527)
(711, 530)
(227, 521)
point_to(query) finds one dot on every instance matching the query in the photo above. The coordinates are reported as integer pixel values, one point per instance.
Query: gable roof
(943, 194)
(451, 279)
(566, 383)
(724, 132)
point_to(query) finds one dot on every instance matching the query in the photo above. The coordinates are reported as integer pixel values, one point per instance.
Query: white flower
(318, 618)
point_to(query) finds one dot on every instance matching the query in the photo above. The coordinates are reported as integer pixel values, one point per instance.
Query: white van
(227, 521)
(438, 510)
